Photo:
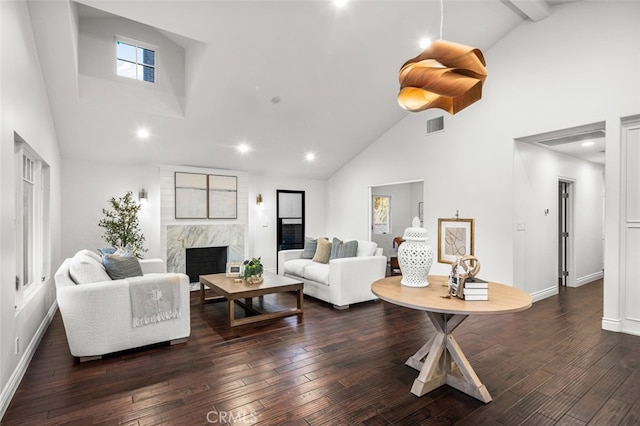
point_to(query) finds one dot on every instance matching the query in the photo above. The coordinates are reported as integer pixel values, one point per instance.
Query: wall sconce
(259, 201)
(142, 196)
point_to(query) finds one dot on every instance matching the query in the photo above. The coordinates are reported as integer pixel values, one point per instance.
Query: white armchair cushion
(84, 269)
(318, 272)
(296, 266)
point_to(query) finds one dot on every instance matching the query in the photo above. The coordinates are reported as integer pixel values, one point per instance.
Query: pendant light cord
(441, 17)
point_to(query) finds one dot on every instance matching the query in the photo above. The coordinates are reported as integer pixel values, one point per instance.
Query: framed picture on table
(455, 238)
(234, 269)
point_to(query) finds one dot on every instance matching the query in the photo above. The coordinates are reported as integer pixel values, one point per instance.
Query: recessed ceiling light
(425, 42)
(310, 156)
(588, 143)
(142, 133)
(243, 148)
(339, 3)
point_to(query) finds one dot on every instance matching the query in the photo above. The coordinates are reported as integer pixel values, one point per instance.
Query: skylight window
(135, 61)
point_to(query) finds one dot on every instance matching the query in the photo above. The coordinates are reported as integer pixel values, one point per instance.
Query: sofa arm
(152, 265)
(350, 278)
(284, 255)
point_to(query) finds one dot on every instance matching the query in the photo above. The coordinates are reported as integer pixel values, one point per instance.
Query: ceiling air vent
(435, 125)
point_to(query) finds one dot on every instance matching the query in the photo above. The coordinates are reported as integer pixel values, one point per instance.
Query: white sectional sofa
(98, 315)
(342, 281)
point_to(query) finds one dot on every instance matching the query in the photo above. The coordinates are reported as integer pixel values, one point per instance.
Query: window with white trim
(32, 221)
(135, 60)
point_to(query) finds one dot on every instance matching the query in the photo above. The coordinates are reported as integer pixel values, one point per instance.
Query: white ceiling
(586, 142)
(592, 149)
(334, 70)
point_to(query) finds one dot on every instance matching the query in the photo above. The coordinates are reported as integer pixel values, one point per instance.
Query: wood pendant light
(445, 75)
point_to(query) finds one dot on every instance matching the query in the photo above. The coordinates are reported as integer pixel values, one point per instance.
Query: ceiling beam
(536, 10)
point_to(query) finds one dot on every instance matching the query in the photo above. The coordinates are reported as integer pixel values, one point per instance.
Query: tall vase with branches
(122, 228)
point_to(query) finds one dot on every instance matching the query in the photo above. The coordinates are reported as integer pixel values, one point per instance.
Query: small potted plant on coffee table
(253, 270)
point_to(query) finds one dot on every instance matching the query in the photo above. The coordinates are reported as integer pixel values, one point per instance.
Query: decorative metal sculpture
(445, 75)
(471, 266)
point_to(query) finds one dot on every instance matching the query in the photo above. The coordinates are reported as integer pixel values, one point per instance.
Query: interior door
(563, 232)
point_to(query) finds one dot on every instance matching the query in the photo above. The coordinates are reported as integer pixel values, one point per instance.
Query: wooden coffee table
(235, 291)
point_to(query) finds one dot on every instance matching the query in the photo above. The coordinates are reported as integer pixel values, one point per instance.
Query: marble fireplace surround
(181, 237)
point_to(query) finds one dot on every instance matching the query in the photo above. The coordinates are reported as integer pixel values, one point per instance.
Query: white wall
(87, 187)
(262, 241)
(536, 174)
(25, 110)
(543, 76)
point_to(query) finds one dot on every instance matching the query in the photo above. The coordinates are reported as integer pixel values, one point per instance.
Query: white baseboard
(611, 324)
(589, 278)
(543, 294)
(15, 379)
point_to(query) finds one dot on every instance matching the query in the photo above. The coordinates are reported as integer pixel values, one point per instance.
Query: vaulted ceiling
(284, 77)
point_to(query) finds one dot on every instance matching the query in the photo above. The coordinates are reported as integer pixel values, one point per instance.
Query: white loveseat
(342, 281)
(97, 316)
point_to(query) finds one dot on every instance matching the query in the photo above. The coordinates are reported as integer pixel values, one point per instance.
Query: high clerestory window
(134, 60)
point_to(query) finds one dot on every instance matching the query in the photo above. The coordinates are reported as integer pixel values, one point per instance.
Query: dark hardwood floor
(551, 364)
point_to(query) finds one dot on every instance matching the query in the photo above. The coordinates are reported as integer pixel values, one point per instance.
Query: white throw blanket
(154, 298)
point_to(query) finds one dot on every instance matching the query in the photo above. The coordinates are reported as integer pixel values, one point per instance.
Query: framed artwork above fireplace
(204, 196)
(191, 195)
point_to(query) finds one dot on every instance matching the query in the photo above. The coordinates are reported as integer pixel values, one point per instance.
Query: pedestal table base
(441, 361)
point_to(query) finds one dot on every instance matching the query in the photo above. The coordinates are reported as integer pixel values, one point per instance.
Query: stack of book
(476, 289)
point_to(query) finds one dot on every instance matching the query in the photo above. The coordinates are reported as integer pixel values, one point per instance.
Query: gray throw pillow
(119, 267)
(335, 247)
(348, 249)
(310, 246)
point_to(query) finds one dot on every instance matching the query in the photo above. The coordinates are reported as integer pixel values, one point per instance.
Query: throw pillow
(366, 248)
(335, 247)
(121, 266)
(310, 246)
(348, 249)
(107, 250)
(94, 256)
(323, 251)
(84, 269)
